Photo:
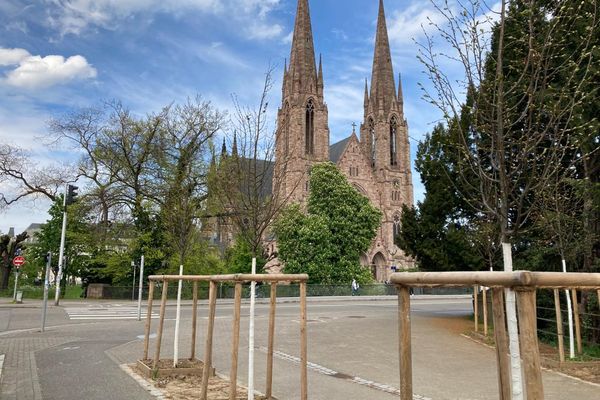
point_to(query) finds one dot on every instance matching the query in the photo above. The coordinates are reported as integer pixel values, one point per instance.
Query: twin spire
(302, 75)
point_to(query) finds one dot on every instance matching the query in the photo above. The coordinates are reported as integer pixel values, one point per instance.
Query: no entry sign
(18, 261)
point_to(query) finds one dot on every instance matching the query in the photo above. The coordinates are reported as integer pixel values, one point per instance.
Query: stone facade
(378, 164)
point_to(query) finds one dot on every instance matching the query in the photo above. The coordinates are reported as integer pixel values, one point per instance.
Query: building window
(397, 225)
(353, 171)
(396, 195)
(373, 140)
(393, 134)
(310, 128)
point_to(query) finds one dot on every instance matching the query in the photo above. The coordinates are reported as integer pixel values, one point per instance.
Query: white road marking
(358, 380)
(1, 365)
(107, 312)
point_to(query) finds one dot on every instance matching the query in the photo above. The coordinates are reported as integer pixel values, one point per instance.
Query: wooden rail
(237, 279)
(524, 284)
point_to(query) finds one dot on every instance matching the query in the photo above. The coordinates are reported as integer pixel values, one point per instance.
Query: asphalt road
(352, 351)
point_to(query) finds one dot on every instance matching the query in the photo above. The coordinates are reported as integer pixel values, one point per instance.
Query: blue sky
(56, 55)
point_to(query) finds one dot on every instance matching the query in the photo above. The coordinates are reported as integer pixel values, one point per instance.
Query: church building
(376, 161)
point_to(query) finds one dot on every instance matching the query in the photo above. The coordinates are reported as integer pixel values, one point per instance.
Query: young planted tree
(525, 80)
(338, 227)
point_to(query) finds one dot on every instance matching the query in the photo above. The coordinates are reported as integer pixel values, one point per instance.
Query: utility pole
(46, 285)
(133, 285)
(69, 198)
(139, 310)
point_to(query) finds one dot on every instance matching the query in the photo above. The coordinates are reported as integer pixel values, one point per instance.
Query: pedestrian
(355, 287)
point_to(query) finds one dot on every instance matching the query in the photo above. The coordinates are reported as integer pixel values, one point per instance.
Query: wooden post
(501, 339)
(161, 322)
(235, 347)
(598, 295)
(194, 318)
(559, 327)
(271, 340)
(303, 345)
(577, 320)
(528, 335)
(476, 307)
(405, 351)
(148, 319)
(485, 309)
(212, 303)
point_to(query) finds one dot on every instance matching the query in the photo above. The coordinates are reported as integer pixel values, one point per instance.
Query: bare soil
(185, 387)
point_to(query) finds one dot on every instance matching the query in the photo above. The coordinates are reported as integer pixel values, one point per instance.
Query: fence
(524, 284)
(237, 280)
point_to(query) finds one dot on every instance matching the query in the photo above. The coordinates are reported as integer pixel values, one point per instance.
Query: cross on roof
(354, 127)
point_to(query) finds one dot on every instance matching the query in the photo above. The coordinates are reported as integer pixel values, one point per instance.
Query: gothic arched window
(310, 128)
(371, 126)
(393, 135)
(286, 128)
(397, 225)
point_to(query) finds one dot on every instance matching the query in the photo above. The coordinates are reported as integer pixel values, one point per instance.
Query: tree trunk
(512, 327)
(5, 277)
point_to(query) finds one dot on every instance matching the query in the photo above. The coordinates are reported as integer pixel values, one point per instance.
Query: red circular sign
(18, 261)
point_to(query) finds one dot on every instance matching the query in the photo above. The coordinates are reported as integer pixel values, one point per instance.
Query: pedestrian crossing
(105, 312)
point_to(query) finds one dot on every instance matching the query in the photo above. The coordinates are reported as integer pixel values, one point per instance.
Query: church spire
(303, 69)
(366, 101)
(234, 149)
(383, 87)
(400, 94)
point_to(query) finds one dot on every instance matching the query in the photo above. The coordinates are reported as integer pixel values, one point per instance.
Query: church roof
(337, 149)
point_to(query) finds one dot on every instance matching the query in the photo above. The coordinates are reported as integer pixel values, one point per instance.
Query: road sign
(18, 261)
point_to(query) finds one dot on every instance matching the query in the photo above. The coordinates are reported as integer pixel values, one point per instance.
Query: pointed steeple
(234, 150)
(383, 87)
(224, 149)
(400, 94)
(320, 75)
(303, 69)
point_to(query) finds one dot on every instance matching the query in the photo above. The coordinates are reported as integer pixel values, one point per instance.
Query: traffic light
(71, 194)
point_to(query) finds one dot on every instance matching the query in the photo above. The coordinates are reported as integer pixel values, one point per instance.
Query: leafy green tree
(338, 227)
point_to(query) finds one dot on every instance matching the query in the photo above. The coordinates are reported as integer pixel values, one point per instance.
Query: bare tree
(21, 178)
(523, 80)
(246, 183)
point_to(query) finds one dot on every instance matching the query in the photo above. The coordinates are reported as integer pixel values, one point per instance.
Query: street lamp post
(133, 285)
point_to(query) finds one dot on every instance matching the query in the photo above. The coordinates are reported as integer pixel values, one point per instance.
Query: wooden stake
(194, 318)
(148, 319)
(501, 339)
(577, 321)
(161, 322)
(485, 314)
(212, 303)
(303, 345)
(528, 335)
(405, 351)
(271, 340)
(235, 347)
(559, 326)
(476, 307)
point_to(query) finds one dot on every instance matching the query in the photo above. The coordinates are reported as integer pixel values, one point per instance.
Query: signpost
(17, 262)
(46, 286)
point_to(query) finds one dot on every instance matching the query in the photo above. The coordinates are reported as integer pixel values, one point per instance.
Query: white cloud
(75, 16)
(35, 72)
(264, 31)
(12, 56)
(407, 25)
